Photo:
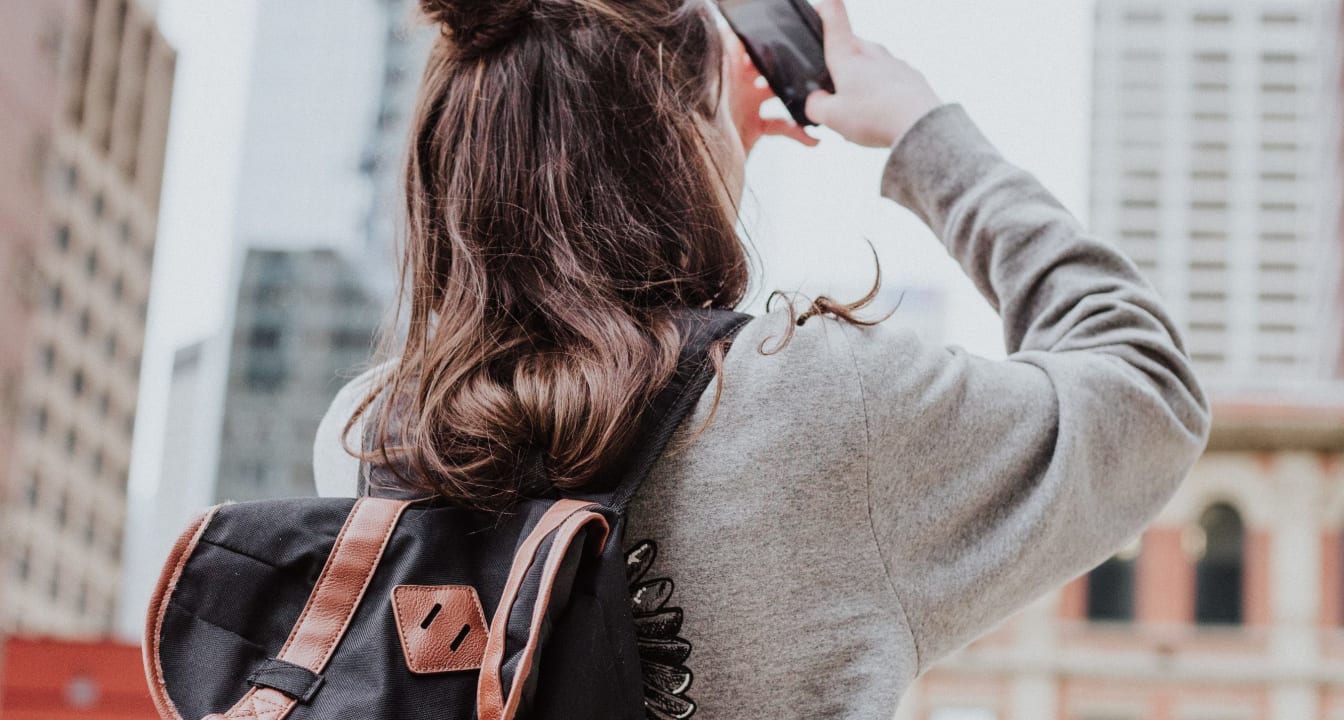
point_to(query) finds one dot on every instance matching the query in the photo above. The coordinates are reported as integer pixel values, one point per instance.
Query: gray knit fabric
(865, 503)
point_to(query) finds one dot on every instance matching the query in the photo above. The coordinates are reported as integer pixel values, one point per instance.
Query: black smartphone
(784, 40)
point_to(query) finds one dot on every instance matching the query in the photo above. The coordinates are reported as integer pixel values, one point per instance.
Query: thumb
(821, 107)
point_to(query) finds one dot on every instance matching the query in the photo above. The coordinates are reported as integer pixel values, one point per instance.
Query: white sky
(1021, 67)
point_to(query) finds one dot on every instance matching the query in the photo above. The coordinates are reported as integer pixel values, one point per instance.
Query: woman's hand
(877, 98)
(747, 91)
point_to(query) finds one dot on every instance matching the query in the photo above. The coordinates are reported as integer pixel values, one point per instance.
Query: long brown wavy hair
(562, 200)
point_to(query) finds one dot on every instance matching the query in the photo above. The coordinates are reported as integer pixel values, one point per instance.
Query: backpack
(396, 606)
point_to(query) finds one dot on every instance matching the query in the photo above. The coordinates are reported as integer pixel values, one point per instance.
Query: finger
(836, 29)
(820, 107)
(732, 44)
(787, 128)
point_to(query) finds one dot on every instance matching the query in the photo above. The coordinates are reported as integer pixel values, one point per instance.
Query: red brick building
(56, 680)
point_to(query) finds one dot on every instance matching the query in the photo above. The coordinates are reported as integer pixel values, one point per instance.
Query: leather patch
(442, 628)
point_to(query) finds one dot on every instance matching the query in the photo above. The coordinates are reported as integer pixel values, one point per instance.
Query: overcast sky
(1021, 67)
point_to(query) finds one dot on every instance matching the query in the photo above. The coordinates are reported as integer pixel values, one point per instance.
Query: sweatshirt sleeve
(993, 482)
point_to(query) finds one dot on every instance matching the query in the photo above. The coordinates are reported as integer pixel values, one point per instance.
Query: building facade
(61, 530)
(304, 326)
(407, 39)
(1213, 167)
(30, 36)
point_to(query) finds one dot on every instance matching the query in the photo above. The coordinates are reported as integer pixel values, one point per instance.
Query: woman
(847, 504)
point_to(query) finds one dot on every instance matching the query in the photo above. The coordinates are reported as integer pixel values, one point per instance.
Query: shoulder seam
(868, 499)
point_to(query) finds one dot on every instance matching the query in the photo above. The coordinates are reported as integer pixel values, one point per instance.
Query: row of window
(1156, 15)
(93, 261)
(63, 589)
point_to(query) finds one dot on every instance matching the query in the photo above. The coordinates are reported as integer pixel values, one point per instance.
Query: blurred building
(1215, 128)
(1218, 163)
(44, 679)
(304, 323)
(93, 80)
(407, 39)
(304, 311)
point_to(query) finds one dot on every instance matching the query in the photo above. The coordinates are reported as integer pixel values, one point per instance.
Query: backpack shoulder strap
(700, 329)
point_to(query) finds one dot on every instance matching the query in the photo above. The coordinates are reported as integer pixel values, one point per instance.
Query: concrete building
(30, 37)
(304, 327)
(95, 211)
(407, 39)
(1214, 130)
(1217, 145)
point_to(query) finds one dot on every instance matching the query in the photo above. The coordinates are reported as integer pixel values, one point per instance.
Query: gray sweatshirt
(865, 503)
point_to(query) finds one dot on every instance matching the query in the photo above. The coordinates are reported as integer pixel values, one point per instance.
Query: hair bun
(478, 26)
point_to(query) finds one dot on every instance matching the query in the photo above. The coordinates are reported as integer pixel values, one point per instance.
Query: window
(265, 337)
(1110, 587)
(1219, 569)
(24, 566)
(39, 420)
(32, 493)
(62, 237)
(63, 510)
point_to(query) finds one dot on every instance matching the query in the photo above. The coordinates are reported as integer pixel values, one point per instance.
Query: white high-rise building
(255, 390)
(1216, 168)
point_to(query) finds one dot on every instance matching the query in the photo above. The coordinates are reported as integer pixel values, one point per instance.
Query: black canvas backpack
(389, 606)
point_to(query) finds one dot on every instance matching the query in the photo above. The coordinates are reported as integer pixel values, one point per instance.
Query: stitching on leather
(553, 562)
(401, 630)
(490, 686)
(335, 638)
(323, 579)
(271, 711)
(162, 700)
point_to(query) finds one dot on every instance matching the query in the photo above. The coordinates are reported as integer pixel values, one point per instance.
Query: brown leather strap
(565, 518)
(158, 608)
(331, 605)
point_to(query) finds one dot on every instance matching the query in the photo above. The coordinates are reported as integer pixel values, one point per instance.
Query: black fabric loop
(700, 328)
(295, 681)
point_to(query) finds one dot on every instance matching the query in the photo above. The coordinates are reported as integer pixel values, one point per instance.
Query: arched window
(1220, 567)
(1110, 587)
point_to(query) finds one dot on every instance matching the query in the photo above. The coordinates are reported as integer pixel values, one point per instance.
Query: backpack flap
(294, 675)
(222, 598)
